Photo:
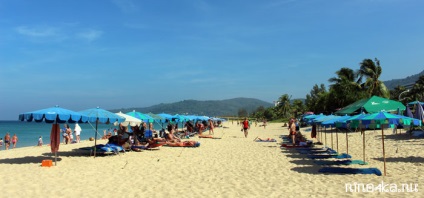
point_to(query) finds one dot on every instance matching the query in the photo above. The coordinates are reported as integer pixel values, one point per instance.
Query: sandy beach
(233, 166)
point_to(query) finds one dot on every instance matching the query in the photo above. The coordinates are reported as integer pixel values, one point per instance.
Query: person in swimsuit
(40, 141)
(14, 140)
(7, 141)
(211, 132)
(292, 128)
(245, 124)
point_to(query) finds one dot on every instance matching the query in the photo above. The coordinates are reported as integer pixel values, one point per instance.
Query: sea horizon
(29, 132)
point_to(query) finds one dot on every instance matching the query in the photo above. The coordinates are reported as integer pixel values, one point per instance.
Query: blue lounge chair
(338, 170)
(340, 162)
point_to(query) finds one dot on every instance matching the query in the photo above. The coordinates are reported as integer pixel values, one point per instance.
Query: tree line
(346, 87)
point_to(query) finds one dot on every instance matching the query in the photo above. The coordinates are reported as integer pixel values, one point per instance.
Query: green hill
(228, 107)
(391, 84)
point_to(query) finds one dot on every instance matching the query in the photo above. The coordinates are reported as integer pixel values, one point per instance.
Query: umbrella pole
(325, 140)
(55, 151)
(331, 129)
(337, 139)
(347, 143)
(363, 144)
(384, 152)
(95, 139)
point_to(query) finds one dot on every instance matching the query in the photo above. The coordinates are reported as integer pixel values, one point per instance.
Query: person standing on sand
(7, 141)
(77, 131)
(68, 134)
(211, 132)
(14, 140)
(40, 141)
(245, 124)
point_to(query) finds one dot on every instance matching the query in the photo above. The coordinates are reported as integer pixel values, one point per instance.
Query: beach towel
(338, 170)
(340, 162)
(312, 152)
(341, 156)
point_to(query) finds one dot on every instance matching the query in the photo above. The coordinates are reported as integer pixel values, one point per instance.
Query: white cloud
(37, 31)
(126, 6)
(90, 35)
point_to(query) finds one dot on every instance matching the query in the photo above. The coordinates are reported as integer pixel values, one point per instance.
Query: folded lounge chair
(338, 170)
(340, 156)
(340, 162)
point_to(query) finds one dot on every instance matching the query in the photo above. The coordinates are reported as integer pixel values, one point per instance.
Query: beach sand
(233, 166)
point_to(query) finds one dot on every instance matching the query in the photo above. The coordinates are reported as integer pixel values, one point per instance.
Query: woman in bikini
(14, 140)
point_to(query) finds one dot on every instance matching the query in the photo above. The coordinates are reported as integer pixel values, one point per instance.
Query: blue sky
(136, 53)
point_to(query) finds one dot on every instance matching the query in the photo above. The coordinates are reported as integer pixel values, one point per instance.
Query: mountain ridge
(227, 107)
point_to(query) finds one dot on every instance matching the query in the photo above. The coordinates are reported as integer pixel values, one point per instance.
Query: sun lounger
(340, 162)
(338, 170)
(320, 151)
(340, 156)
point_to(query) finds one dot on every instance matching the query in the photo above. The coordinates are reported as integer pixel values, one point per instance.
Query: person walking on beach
(77, 131)
(245, 124)
(1, 143)
(7, 141)
(14, 140)
(68, 134)
(211, 132)
(40, 141)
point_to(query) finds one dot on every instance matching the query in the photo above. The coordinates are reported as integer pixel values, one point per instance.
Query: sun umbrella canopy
(129, 120)
(166, 116)
(141, 116)
(155, 117)
(52, 115)
(180, 118)
(102, 115)
(382, 117)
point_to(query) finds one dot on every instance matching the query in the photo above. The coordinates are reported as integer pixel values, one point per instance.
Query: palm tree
(345, 87)
(284, 105)
(372, 85)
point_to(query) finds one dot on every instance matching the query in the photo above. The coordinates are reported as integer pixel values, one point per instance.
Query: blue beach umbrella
(100, 115)
(383, 118)
(54, 115)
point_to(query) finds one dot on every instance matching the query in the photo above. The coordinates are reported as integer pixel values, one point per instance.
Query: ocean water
(29, 132)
